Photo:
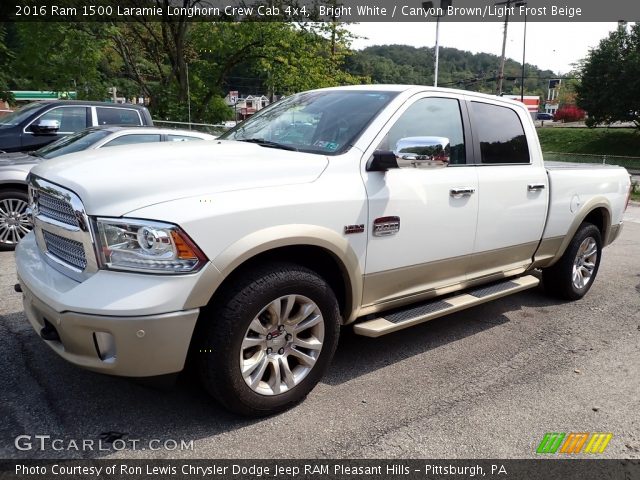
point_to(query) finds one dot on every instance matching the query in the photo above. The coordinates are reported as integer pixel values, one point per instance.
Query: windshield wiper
(268, 143)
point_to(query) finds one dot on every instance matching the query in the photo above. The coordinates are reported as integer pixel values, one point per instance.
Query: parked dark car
(544, 116)
(15, 166)
(40, 123)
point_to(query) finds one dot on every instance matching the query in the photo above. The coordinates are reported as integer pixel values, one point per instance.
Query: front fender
(295, 235)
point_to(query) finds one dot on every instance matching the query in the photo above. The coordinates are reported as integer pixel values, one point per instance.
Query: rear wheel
(14, 222)
(572, 276)
(268, 339)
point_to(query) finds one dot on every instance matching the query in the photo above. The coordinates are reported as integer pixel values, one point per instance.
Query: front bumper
(114, 322)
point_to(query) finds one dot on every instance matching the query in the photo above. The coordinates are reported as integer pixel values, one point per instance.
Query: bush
(569, 113)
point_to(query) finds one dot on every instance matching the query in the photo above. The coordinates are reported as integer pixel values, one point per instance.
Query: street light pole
(524, 51)
(435, 75)
(444, 5)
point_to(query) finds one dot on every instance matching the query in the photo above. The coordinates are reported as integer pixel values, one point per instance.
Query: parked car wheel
(14, 223)
(572, 276)
(269, 339)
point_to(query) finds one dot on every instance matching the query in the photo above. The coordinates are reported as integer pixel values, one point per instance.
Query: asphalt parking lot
(484, 383)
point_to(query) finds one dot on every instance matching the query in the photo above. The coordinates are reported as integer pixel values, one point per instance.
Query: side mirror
(423, 152)
(412, 152)
(45, 127)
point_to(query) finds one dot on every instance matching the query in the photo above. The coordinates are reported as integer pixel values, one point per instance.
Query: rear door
(513, 190)
(433, 242)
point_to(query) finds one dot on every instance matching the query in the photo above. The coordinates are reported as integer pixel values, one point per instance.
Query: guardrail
(632, 164)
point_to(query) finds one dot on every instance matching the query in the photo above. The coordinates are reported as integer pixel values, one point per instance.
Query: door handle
(535, 187)
(459, 192)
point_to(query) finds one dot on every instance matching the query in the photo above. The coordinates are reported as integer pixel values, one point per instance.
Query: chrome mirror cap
(421, 152)
(46, 126)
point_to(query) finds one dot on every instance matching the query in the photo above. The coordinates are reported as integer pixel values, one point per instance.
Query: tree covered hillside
(458, 69)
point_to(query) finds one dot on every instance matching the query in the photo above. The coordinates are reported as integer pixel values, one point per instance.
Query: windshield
(17, 117)
(72, 143)
(326, 122)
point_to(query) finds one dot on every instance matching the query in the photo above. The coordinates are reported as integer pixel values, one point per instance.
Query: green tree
(610, 85)
(567, 93)
(280, 58)
(62, 57)
(5, 58)
(458, 69)
(179, 64)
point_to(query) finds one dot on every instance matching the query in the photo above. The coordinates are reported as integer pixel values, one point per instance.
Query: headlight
(146, 246)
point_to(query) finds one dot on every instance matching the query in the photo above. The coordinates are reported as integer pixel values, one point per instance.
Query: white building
(247, 106)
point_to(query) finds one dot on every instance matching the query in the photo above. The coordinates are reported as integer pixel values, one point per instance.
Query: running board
(423, 312)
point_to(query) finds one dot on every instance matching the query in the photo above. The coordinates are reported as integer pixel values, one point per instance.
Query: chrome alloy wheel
(281, 345)
(14, 222)
(585, 263)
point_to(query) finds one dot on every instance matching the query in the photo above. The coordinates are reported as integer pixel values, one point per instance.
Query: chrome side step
(423, 312)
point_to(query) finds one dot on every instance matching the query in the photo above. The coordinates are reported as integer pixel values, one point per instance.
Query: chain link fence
(632, 164)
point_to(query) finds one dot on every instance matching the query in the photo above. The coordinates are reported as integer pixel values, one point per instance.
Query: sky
(553, 46)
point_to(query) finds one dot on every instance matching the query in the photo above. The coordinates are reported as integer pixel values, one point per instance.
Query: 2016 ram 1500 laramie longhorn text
(377, 206)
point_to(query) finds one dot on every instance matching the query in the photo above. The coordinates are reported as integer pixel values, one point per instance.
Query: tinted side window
(117, 116)
(502, 138)
(72, 119)
(430, 117)
(131, 139)
(181, 138)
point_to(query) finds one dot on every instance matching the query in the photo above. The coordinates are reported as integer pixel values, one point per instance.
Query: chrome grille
(62, 230)
(57, 209)
(67, 250)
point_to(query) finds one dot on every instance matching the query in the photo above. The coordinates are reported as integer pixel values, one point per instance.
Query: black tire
(558, 279)
(10, 235)
(224, 326)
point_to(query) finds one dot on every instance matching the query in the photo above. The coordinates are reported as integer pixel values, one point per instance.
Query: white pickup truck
(375, 206)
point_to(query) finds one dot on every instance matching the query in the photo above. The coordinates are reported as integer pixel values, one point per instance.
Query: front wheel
(268, 339)
(572, 276)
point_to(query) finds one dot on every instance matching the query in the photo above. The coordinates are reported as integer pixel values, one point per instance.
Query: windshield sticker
(333, 146)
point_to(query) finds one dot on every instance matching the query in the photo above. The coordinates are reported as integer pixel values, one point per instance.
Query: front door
(71, 119)
(437, 224)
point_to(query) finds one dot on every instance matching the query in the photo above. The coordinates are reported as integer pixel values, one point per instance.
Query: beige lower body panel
(403, 286)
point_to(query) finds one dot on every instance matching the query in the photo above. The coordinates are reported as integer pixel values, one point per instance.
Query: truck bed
(572, 186)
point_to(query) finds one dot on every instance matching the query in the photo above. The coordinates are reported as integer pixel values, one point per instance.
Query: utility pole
(524, 51)
(508, 4)
(188, 94)
(504, 47)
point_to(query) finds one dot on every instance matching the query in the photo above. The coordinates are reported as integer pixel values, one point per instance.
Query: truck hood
(18, 158)
(115, 180)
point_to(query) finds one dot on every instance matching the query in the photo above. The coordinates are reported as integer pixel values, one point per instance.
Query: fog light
(105, 345)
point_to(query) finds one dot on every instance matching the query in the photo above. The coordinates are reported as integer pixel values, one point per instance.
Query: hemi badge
(353, 229)
(384, 226)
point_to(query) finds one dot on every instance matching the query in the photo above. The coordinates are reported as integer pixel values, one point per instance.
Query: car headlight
(146, 246)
